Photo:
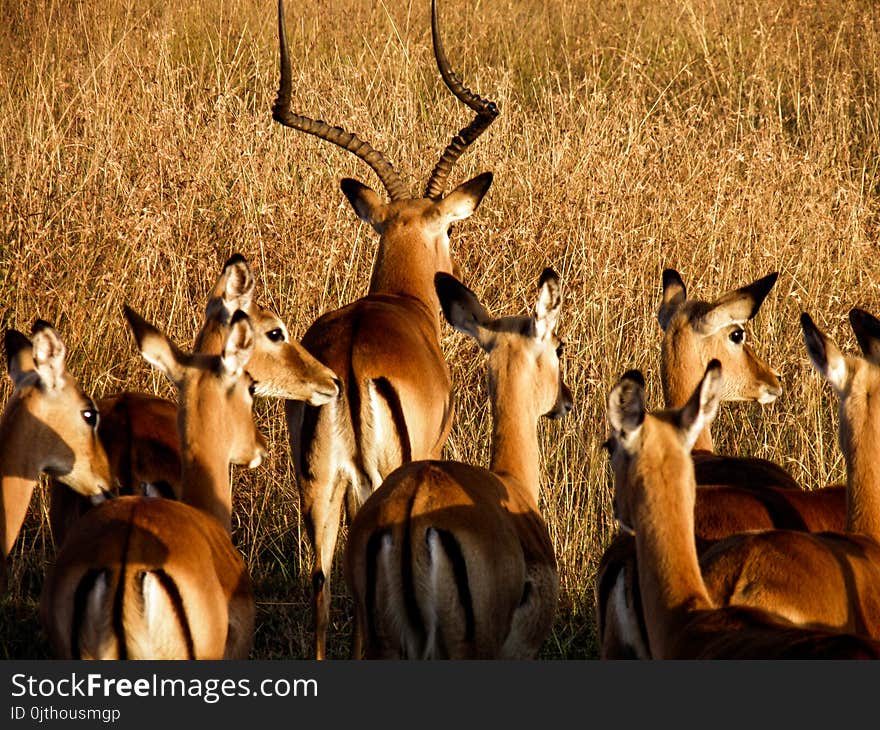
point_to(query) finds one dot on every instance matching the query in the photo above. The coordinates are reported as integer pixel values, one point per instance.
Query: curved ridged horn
(486, 112)
(282, 114)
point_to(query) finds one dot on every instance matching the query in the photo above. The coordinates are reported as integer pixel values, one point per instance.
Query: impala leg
(322, 505)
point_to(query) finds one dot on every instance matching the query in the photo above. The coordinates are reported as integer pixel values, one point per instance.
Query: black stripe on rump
(392, 399)
(85, 586)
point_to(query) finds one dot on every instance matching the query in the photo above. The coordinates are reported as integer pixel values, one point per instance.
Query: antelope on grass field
(451, 560)
(153, 578)
(139, 430)
(396, 396)
(734, 494)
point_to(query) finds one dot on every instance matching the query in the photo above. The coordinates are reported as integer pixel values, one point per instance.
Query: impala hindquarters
(396, 402)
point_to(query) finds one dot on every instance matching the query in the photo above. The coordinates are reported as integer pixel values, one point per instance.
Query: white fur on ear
(824, 354)
(464, 200)
(626, 408)
(549, 304)
(239, 290)
(701, 410)
(836, 373)
(49, 355)
(239, 345)
(155, 347)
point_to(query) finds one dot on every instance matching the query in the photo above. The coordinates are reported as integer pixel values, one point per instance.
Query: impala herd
(716, 556)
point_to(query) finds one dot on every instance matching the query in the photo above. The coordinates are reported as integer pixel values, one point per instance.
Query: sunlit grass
(723, 139)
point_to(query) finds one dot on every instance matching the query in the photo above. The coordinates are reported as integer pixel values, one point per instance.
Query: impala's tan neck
(398, 272)
(860, 446)
(669, 571)
(515, 449)
(681, 373)
(204, 453)
(205, 480)
(19, 472)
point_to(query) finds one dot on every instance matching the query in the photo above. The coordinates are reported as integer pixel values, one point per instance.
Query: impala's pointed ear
(867, 330)
(465, 199)
(825, 356)
(49, 355)
(19, 358)
(155, 347)
(239, 345)
(674, 295)
(368, 206)
(548, 305)
(738, 306)
(461, 307)
(626, 408)
(701, 409)
(234, 287)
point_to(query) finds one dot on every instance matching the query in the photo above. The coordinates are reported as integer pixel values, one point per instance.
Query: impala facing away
(655, 490)
(152, 578)
(734, 494)
(450, 560)
(48, 425)
(396, 402)
(830, 580)
(139, 430)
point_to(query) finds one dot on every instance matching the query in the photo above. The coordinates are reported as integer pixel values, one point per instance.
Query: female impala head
(696, 332)
(655, 444)
(50, 419)
(524, 352)
(280, 366)
(215, 392)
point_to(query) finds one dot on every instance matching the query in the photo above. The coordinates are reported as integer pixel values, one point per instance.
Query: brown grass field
(723, 139)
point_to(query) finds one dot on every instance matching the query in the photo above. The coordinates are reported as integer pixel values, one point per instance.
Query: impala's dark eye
(90, 416)
(449, 231)
(276, 335)
(560, 348)
(738, 336)
(252, 389)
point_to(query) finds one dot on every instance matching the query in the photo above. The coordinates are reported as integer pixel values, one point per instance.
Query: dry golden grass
(724, 139)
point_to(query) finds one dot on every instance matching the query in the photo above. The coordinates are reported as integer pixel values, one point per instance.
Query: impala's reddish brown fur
(148, 578)
(734, 494)
(655, 490)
